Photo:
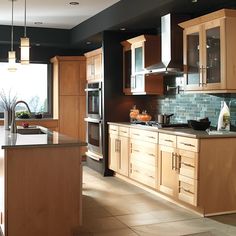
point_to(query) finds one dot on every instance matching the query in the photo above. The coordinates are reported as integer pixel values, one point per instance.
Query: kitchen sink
(30, 131)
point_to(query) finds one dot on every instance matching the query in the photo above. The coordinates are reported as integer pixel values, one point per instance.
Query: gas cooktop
(158, 125)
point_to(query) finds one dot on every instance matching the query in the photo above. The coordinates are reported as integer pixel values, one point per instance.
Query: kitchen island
(41, 183)
(193, 168)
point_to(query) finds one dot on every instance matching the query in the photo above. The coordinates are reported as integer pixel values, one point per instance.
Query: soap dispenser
(224, 118)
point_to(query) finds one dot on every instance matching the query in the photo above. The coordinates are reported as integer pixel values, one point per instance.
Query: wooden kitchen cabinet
(143, 157)
(209, 58)
(139, 53)
(69, 80)
(94, 66)
(119, 149)
(127, 66)
(178, 167)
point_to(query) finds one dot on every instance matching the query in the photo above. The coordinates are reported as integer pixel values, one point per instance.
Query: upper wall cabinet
(138, 54)
(209, 52)
(94, 65)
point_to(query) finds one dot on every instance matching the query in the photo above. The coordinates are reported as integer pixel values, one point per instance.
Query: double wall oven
(94, 120)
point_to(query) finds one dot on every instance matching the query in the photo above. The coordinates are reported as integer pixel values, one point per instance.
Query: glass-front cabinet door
(138, 83)
(213, 55)
(137, 58)
(203, 56)
(192, 60)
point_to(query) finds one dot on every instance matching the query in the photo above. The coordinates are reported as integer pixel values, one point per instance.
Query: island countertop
(47, 138)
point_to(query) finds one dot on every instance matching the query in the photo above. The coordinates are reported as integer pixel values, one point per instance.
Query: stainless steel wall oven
(94, 100)
(94, 138)
(94, 120)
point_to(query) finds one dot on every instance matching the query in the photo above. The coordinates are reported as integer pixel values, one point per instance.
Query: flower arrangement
(7, 100)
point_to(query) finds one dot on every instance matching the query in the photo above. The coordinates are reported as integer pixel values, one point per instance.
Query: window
(30, 83)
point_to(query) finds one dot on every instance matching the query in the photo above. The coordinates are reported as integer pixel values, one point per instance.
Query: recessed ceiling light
(122, 28)
(88, 42)
(38, 22)
(37, 44)
(194, 1)
(74, 3)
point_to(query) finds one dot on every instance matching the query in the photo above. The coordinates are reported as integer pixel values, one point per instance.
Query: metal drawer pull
(168, 140)
(188, 144)
(125, 132)
(136, 134)
(135, 150)
(172, 162)
(136, 171)
(114, 130)
(186, 164)
(151, 154)
(151, 137)
(150, 176)
(187, 190)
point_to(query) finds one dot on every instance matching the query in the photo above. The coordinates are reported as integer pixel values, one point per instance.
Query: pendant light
(12, 54)
(24, 45)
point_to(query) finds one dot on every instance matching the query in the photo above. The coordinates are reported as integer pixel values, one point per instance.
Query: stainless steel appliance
(159, 125)
(94, 100)
(94, 138)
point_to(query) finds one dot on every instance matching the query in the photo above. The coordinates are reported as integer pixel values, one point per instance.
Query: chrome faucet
(13, 121)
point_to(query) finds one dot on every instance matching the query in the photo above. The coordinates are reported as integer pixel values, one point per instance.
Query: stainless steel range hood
(171, 46)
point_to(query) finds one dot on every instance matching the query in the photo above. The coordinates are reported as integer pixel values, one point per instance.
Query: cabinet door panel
(82, 78)
(69, 116)
(124, 155)
(113, 152)
(98, 67)
(69, 78)
(168, 176)
(192, 57)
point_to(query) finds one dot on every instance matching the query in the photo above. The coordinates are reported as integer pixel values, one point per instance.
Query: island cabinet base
(43, 191)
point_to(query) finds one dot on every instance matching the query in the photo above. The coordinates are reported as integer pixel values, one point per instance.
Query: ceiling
(52, 13)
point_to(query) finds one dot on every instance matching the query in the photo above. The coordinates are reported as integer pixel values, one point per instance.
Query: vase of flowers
(6, 103)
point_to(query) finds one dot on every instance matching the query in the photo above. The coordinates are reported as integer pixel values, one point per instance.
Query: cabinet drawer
(123, 131)
(188, 164)
(143, 173)
(144, 147)
(188, 190)
(167, 140)
(144, 135)
(143, 158)
(113, 129)
(190, 144)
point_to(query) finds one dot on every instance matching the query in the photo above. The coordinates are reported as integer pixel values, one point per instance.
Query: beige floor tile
(112, 207)
(95, 212)
(185, 227)
(154, 217)
(120, 232)
(103, 224)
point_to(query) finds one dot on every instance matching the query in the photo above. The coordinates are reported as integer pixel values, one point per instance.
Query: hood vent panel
(171, 46)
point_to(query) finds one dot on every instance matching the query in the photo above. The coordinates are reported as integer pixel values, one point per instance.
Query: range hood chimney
(171, 46)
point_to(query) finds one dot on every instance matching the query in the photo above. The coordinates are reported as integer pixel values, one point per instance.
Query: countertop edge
(184, 132)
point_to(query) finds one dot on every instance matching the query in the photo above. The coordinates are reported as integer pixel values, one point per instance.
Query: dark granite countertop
(185, 132)
(46, 138)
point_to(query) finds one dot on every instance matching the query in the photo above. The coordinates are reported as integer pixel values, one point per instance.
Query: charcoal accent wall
(193, 106)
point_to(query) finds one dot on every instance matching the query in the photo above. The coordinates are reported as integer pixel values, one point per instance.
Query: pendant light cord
(12, 25)
(25, 21)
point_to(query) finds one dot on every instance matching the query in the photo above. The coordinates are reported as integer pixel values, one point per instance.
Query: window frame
(48, 114)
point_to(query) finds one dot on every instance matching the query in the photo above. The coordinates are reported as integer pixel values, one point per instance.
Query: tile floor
(112, 207)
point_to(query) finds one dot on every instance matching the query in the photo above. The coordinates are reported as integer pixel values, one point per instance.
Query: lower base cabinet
(119, 149)
(178, 167)
(196, 172)
(143, 162)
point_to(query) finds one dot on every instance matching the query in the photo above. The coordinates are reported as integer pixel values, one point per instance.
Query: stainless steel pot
(164, 118)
